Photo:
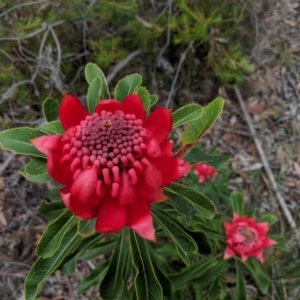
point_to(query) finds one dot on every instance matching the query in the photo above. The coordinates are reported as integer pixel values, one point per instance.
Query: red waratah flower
(246, 237)
(204, 171)
(113, 163)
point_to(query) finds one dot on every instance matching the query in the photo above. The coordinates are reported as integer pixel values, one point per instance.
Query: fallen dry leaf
(290, 23)
(2, 183)
(297, 168)
(2, 218)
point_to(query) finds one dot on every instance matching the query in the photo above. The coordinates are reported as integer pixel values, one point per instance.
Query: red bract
(204, 171)
(113, 163)
(246, 237)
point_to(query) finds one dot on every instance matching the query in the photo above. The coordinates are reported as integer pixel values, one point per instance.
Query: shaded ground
(272, 96)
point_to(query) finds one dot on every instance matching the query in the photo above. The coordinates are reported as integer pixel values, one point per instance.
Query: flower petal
(69, 134)
(159, 124)
(108, 105)
(127, 193)
(262, 228)
(133, 104)
(111, 216)
(236, 217)
(71, 111)
(268, 242)
(171, 168)
(153, 148)
(59, 171)
(140, 220)
(260, 256)
(227, 226)
(238, 238)
(166, 148)
(152, 179)
(77, 209)
(83, 187)
(159, 197)
(244, 257)
(65, 194)
(228, 253)
(46, 142)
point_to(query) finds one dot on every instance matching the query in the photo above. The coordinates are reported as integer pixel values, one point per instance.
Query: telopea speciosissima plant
(113, 163)
(117, 168)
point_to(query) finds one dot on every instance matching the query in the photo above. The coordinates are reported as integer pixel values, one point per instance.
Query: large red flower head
(113, 163)
(246, 237)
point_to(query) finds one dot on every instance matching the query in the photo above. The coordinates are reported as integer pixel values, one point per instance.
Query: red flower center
(111, 142)
(248, 234)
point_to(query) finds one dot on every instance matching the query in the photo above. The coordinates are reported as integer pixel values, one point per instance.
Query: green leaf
(196, 155)
(212, 273)
(86, 227)
(193, 272)
(54, 194)
(223, 290)
(186, 114)
(184, 243)
(160, 272)
(94, 252)
(281, 241)
(258, 274)
(43, 268)
(68, 268)
(147, 286)
(180, 204)
(239, 291)
(237, 202)
(54, 234)
(36, 170)
(53, 127)
(145, 96)
(96, 92)
(271, 219)
(68, 265)
(92, 71)
(113, 283)
(200, 202)
(52, 210)
(213, 290)
(93, 279)
(50, 109)
(213, 229)
(197, 128)
(153, 99)
(18, 140)
(201, 241)
(36, 166)
(127, 86)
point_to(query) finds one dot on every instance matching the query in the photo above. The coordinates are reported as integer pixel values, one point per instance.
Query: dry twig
(21, 5)
(7, 162)
(265, 162)
(182, 59)
(119, 66)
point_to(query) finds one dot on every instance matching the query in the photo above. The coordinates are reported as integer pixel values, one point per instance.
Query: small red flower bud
(204, 171)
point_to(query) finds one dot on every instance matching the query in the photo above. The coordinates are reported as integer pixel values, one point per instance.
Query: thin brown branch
(119, 66)
(265, 162)
(21, 5)
(6, 163)
(182, 59)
